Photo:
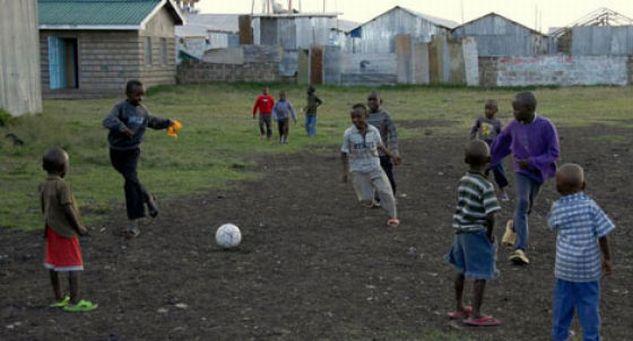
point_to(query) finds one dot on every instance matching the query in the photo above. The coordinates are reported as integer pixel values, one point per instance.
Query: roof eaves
(91, 27)
(157, 9)
(503, 17)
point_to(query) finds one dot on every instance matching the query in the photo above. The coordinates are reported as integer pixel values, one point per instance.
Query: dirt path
(313, 263)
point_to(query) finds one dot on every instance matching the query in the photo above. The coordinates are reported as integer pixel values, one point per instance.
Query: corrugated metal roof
(448, 24)
(97, 12)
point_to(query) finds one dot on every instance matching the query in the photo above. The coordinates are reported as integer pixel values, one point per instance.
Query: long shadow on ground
(313, 263)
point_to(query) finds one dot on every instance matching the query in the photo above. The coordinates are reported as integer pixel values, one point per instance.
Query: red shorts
(62, 254)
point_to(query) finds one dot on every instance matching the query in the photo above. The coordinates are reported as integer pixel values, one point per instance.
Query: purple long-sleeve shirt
(536, 142)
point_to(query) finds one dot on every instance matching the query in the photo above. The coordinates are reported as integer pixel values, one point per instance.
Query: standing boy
(62, 252)
(581, 236)
(473, 251)
(361, 143)
(533, 142)
(381, 119)
(282, 112)
(264, 104)
(310, 111)
(487, 128)
(127, 123)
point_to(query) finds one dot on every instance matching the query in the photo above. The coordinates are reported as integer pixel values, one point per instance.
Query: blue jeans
(500, 176)
(311, 121)
(527, 190)
(474, 255)
(582, 297)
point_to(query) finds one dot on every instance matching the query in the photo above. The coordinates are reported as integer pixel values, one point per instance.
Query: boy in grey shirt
(361, 144)
(381, 119)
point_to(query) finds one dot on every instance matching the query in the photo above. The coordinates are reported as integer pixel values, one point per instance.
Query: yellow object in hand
(174, 128)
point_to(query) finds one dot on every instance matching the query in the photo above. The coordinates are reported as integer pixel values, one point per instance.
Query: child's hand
(397, 160)
(83, 230)
(127, 132)
(523, 164)
(607, 267)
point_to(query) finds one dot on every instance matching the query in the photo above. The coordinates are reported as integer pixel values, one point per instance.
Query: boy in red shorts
(61, 250)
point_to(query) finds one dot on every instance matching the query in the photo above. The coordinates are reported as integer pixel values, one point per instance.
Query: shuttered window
(148, 50)
(163, 51)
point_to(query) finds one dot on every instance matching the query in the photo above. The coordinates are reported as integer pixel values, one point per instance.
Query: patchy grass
(219, 137)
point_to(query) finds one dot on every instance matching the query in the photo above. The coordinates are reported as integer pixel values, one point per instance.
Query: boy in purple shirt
(533, 142)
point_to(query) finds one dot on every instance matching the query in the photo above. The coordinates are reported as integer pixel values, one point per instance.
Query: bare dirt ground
(313, 263)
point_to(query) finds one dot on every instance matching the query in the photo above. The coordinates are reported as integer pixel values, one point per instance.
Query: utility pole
(462, 10)
(323, 6)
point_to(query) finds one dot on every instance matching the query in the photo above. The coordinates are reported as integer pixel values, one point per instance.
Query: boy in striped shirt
(581, 236)
(473, 251)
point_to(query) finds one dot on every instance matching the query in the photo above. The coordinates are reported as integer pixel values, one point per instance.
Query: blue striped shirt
(579, 222)
(476, 199)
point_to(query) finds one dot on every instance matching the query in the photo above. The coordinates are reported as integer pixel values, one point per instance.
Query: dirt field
(313, 263)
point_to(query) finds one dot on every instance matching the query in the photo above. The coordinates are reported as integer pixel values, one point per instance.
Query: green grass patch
(220, 137)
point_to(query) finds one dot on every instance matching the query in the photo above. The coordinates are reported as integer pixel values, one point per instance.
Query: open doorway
(63, 61)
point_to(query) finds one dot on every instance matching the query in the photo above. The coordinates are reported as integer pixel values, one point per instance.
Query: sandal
(393, 222)
(61, 303)
(81, 306)
(132, 233)
(461, 315)
(482, 321)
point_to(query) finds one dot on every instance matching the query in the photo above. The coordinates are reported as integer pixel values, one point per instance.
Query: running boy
(62, 252)
(381, 119)
(264, 104)
(282, 111)
(487, 128)
(127, 123)
(473, 251)
(361, 143)
(310, 111)
(533, 142)
(581, 235)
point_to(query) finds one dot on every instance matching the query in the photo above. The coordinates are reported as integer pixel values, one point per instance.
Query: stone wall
(248, 63)
(555, 70)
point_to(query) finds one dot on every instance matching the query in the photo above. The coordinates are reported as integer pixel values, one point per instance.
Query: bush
(5, 118)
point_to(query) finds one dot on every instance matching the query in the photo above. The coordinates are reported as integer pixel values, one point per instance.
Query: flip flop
(61, 303)
(81, 306)
(482, 321)
(393, 222)
(460, 315)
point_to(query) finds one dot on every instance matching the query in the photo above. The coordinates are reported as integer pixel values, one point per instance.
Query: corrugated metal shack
(222, 29)
(602, 40)
(497, 35)
(20, 90)
(377, 35)
(293, 31)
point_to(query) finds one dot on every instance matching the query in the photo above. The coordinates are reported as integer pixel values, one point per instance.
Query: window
(163, 51)
(63, 63)
(148, 50)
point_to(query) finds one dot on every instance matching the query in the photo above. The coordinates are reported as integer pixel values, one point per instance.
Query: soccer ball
(228, 236)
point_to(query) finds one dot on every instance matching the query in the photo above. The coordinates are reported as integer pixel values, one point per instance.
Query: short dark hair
(359, 106)
(131, 85)
(53, 160)
(311, 89)
(526, 98)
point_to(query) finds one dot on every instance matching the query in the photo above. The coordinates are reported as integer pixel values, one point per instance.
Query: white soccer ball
(228, 236)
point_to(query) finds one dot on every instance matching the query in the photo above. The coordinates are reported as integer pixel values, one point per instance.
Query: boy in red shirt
(264, 103)
(62, 225)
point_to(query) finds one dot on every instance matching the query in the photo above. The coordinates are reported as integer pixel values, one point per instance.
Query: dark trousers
(500, 176)
(283, 128)
(125, 162)
(387, 166)
(264, 122)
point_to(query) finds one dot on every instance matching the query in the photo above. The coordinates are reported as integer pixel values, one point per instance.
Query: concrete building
(91, 48)
(377, 35)
(20, 90)
(293, 31)
(497, 35)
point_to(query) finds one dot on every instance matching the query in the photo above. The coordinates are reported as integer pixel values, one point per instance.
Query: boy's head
(265, 90)
(477, 154)
(570, 179)
(282, 95)
(359, 115)
(491, 108)
(374, 101)
(134, 91)
(524, 106)
(311, 89)
(55, 162)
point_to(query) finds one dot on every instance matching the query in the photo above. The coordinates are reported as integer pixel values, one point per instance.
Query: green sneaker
(81, 306)
(61, 303)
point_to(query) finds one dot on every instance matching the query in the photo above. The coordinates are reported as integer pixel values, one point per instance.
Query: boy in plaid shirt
(581, 236)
